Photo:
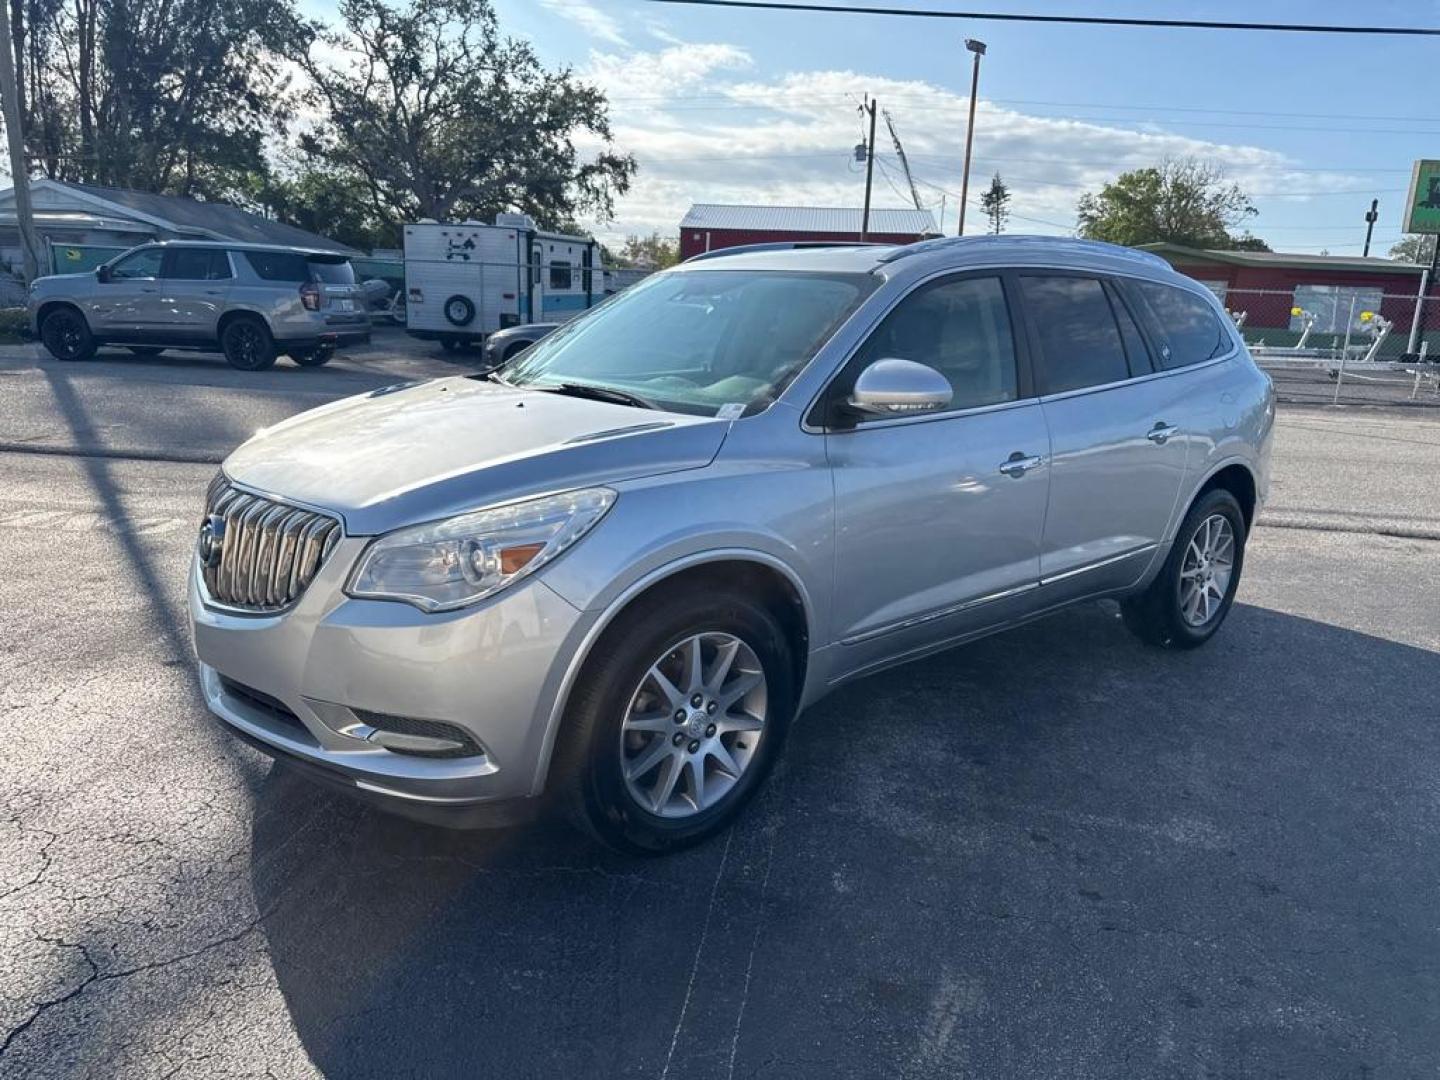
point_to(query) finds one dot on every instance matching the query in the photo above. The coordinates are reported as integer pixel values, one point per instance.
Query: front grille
(268, 551)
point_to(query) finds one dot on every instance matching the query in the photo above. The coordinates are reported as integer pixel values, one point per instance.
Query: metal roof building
(709, 226)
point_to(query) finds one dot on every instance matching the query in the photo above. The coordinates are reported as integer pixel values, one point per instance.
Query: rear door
(1117, 442)
(939, 517)
(195, 284)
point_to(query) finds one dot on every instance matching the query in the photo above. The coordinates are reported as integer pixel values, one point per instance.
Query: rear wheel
(679, 715)
(66, 335)
(145, 350)
(247, 344)
(1192, 594)
(315, 357)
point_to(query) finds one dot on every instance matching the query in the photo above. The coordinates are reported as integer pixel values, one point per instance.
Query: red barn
(709, 226)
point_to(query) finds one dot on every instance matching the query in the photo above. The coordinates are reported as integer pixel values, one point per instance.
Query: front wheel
(1192, 594)
(679, 715)
(248, 345)
(66, 335)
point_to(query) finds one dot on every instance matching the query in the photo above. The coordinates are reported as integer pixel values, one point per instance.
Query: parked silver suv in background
(616, 569)
(250, 301)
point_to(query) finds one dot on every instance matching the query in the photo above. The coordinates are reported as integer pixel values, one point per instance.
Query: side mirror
(894, 387)
(102, 273)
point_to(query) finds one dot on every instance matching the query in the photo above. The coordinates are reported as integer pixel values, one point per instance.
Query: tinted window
(1079, 341)
(142, 264)
(559, 275)
(1136, 351)
(330, 271)
(278, 265)
(961, 328)
(1190, 328)
(197, 264)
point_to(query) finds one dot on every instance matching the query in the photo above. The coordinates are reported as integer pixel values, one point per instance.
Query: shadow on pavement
(1051, 853)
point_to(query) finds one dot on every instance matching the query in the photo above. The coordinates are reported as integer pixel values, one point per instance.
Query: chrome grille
(269, 551)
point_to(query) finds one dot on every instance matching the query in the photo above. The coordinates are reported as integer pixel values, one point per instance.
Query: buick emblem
(212, 541)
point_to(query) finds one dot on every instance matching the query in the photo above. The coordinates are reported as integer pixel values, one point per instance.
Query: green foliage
(651, 252)
(334, 204)
(1415, 248)
(996, 204)
(173, 96)
(1178, 202)
(441, 117)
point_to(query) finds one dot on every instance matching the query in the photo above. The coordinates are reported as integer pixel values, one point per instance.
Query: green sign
(1422, 209)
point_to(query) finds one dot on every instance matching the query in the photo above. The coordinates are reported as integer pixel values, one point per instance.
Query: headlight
(448, 564)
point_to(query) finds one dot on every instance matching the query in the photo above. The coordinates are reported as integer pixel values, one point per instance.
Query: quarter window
(1075, 327)
(961, 328)
(279, 265)
(1191, 331)
(143, 264)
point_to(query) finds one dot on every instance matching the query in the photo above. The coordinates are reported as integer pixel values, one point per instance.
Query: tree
(996, 204)
(1179, 202)
(1415, 248)
(652, 252)
(441, 117)
(332, 204)
(174, 96)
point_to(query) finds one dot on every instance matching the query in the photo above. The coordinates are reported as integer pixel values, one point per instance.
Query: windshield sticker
(732, 411)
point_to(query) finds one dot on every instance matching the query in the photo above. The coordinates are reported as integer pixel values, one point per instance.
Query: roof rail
(780, 245)
(1098, 247)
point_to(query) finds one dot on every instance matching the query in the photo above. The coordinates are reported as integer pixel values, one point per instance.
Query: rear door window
(196, 264)
(1075, 328)
(1190, 331)
(1136, 351)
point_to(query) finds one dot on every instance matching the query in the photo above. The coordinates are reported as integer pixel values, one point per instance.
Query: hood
(47, 281)
(417, 452)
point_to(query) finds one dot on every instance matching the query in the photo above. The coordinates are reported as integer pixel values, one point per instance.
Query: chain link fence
(1341, 345)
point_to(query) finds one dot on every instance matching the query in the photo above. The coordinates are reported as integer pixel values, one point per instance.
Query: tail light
(310, 296)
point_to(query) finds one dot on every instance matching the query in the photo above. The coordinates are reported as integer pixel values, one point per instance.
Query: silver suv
(250, 301)
(614, 571)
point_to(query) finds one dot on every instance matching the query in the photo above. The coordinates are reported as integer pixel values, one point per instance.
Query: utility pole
(904, 161)
(1372, 216)
(869, 107)
(24, 220)
(978, 48)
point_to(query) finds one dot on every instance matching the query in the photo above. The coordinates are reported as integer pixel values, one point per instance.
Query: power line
(1082, 20)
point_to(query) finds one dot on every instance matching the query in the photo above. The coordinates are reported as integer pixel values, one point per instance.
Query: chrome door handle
(1019, 464)
(1161, 432)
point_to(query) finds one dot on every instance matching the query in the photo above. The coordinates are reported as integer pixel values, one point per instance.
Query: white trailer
(465, 281)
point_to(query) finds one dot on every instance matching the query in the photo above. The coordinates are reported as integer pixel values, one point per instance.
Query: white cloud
(703, 134)
(596, 23)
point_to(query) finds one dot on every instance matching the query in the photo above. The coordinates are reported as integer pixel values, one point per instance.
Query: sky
(762, 107)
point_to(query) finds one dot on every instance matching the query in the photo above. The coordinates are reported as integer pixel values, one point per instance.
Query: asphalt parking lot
(1053, 853)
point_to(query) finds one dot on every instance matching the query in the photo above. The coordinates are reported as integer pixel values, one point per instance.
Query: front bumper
(291, 683)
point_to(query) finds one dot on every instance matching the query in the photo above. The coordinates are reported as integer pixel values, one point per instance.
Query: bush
(14, 323)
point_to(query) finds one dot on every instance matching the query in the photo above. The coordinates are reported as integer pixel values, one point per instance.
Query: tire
(145, 350)
(459, 310)
(66, 335)
(316, 357)
(1166, 613)
(247, 344)
(595, 746)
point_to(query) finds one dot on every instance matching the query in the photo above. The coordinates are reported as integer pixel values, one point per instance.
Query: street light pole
(978, 48)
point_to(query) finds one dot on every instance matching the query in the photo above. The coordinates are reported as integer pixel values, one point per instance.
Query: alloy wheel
(693, 725)
(1206, 570)
(63, 336)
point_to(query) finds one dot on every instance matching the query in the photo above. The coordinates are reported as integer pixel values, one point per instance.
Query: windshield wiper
(597, 393)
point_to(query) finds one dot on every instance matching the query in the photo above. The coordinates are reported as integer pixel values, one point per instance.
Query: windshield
(702, 341)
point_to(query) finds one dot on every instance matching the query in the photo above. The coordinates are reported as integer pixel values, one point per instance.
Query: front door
(1117, 435)
(127, 305)
(939, 517)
